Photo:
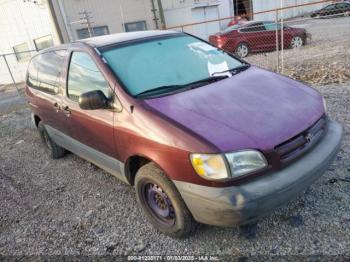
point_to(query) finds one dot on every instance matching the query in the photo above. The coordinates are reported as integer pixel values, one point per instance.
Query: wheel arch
(134, 163)
(36, 119)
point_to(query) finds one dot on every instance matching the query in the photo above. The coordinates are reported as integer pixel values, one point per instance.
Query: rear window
(232, 28)
(44, 71)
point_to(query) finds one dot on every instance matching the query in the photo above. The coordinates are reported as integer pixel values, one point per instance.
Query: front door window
(84, 76)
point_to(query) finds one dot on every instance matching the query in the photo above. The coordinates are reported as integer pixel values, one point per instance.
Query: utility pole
(161, 14)
(154, 11)
(282, 38)
(86, 20)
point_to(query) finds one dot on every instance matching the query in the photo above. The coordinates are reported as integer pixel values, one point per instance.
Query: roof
(106, 40)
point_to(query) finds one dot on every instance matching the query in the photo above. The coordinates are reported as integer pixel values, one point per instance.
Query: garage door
(207, 13)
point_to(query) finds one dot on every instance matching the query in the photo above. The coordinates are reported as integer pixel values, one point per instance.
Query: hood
(255, 109)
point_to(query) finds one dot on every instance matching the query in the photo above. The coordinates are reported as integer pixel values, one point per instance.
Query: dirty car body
(233, 140)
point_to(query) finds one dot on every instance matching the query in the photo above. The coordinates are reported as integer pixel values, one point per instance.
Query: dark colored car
(332, 10)
(202, 136)
(252, 37)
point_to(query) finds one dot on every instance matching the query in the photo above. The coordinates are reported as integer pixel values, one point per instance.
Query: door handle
(66, 111)
(56, 106)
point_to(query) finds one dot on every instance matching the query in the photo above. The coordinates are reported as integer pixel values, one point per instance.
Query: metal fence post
(12, 77)
(277, 44)
(282, 39)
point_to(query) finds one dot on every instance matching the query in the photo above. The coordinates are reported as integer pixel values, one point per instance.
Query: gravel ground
(70, 207)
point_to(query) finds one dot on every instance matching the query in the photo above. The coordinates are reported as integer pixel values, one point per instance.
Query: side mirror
(93, 100)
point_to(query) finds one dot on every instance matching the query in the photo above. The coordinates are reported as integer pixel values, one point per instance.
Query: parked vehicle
(332, 10)
(202, 136)
(251, 37)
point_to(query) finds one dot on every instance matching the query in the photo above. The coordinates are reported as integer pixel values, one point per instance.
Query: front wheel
(296, 42)
(162, 203)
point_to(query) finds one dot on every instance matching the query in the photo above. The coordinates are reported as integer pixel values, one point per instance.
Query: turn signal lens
(209, 166)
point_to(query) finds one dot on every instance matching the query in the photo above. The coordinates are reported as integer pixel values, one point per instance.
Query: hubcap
(159, 203)
(297, 42)
(242, 50)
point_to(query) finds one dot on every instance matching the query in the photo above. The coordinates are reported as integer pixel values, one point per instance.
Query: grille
(299, 144)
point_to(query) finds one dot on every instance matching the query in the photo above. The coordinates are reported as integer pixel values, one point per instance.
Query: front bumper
(235, 205)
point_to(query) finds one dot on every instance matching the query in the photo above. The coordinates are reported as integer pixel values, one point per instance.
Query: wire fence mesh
(308, 42)
(13, 68)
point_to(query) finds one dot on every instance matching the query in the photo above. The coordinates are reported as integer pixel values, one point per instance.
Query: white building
(24, 26)
(180, 12)
(186, 12)
(260, 6)
(83, 18)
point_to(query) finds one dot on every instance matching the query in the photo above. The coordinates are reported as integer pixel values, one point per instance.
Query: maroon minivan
(202, 135)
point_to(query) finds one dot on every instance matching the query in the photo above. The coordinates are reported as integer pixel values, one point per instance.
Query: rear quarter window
(44, 71)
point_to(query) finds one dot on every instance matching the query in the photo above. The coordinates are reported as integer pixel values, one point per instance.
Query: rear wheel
(162, 203)
(53, 149)
(242, 50)
(296, 42)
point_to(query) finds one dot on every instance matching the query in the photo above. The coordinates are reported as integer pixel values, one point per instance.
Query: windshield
(166, 61)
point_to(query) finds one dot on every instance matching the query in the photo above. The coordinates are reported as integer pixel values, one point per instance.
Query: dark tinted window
(32, 73)
(256, 27)
(271, 26)
(135, 26)
(343, 5)
(329, 7)
(96, 31)
(44, 71)
(84, 76)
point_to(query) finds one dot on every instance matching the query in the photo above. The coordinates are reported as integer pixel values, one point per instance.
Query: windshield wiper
(172, 88)
(233, 71)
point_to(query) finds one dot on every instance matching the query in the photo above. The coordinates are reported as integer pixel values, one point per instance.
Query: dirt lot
(68, 206)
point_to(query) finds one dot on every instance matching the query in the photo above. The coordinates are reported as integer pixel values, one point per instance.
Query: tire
(242, 50)
(162, 203)
(53, 149)
(296, 42)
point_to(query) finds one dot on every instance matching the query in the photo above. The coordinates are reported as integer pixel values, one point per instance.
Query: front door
(92, 129)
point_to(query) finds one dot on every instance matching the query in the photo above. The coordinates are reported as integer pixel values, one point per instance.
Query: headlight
(213, 166)
(244, 162)
(210, 166)
(324, 105)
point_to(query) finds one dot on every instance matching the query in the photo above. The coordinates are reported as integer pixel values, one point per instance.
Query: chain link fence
(13, 67)
(311, 46)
